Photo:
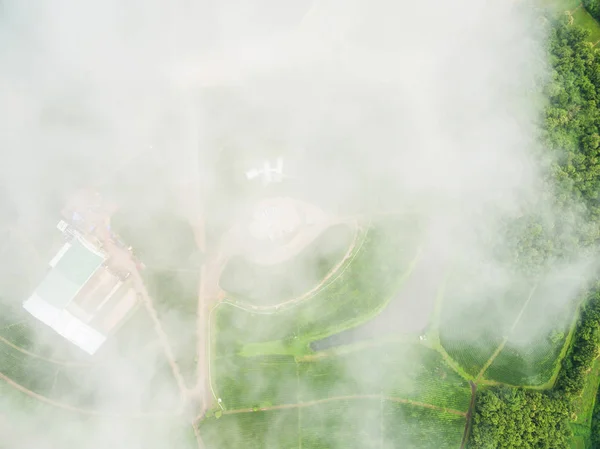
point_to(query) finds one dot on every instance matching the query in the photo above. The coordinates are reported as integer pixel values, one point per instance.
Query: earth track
(344, 398)
(75, 409)
(46, 359)
(335, 271)
(469, 416)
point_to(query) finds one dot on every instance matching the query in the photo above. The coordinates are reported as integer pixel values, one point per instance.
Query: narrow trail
(345, 398)
(505, 339)
(164, 340)
(80, 410)
(469, 416)
(46, 359)
(122, 257)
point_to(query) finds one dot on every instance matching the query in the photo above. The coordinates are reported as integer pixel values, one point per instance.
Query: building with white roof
(80, 297)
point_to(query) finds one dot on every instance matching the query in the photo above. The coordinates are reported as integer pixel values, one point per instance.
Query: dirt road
(349, 397)
(123, 259)
(74, 409)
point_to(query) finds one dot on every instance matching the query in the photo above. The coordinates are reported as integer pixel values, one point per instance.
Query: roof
(67, 325)
(70, 273)
(71, 268)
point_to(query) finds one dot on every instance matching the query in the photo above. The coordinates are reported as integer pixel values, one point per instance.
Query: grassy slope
(525, 364)
(260, 375)
(347, 424)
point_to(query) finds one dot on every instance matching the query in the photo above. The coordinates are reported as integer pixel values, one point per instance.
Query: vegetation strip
(344, 398)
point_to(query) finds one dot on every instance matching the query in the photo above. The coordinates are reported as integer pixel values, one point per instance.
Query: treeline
(583, 351)
(507, 417)
(593, 7)
(510, 418)
(570, 135)
(571, 127)
(565, 220)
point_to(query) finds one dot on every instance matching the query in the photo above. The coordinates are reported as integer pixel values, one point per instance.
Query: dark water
(409, 312)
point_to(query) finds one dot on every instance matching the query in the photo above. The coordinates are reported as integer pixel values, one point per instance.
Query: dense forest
(570, 138)
(593, 7)
(583, 351)
(566, 219)
(511, 418)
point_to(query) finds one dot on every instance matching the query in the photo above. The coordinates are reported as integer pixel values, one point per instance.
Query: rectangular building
(80, 297)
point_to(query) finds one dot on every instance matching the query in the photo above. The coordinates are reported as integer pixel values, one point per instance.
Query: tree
(509, 418)
(593, 7)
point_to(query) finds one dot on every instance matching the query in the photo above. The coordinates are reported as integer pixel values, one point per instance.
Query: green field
(357, 294)
(532, 350)
(583, 406)
(579, 15)
(243, 382)
(583, 18)
(475, 320)
(405, 371)
(269, 285)
(391, 394)
(273, 429)
(352, 424)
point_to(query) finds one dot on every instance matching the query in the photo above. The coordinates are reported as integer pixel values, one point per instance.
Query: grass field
(271, 429)
(583, 406)
(255, 381)
(532, 352)
(583, 18)
(268, 285)
(420, 428)
(46, 378)
(406, 371)
(475, 319)
(579, 15)
(358, 294)
(348, 424)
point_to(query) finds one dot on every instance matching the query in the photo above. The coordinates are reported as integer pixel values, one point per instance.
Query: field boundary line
(166, 346)
(336, 272)
(438, 304)
(469, 416)
(344, 398)
(506, 338)
(76, 409)
(49, 360)
(458, 369)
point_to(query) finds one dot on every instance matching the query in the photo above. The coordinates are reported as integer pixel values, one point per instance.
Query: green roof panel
(71, 273)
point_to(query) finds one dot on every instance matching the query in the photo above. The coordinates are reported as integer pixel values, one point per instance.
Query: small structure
(275, 220)
(269, 173)
(81, 297)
